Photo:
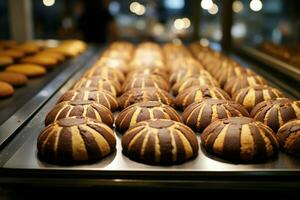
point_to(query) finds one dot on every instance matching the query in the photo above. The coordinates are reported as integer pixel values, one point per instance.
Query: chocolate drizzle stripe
(260, 148)
(105, 132)
(64, 147)
(133, 118)
(232, 141)
(174, 146)
(181, 154)
(135, 138)
(91, 142)
(145, 141)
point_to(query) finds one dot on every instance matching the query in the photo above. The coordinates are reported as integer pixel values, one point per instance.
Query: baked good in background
(100, 83)
(15, 79)
(144, 81)
(13, 53)
(102, 97)
(199, 115)
(160, 142)
(223, 75)
(45, 53)
(289, 137)
(183, 73)
(29, 47)
(251, 96)
(6, 60)
(276, 112)
(75, 139)
(144, 111)
(149, 71)
(29, 70)
(45, 61)
(6, 89)
(105, 72)
(196, 80)
(88, 109)
(198, 93)
(239, 82)
(6, 44)
(113, 63)
(136, 95)
(240, 139)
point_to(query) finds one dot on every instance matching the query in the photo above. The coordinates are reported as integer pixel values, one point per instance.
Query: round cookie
(289, 137)
(42, 60)
(136, 95)
(144, 111)
(251, 96)
(199, 115)
(240, 139)
(102, 97)
(198, 93)
(75, 139)
(223, 75)
(80, 108)
(105, 72)
(100, 83)
(276, 112)
(236, 83)
(145, 81)
(29, 70)
(196, 80)
(6, 89)
(160, 141)
(59, 57)
(15, 79)
(6, 60)
(13, 53)
(184, 73)
(28, 47)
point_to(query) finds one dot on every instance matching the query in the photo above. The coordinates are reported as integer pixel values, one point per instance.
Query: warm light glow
(213, 10)
(48, 2)
(179, 24)
(137, 8)
(237, 6)
(186, 22)
(207, 4)
(204, 42)
(256, 5)
(158, 29)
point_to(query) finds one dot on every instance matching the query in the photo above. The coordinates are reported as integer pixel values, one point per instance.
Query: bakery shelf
(19, 164)
(16, 110)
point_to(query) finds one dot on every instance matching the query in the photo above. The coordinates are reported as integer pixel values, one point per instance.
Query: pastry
(105, 72)
(199, 115)
(45, 61)
(28, 47)
(289, 137)
(198, 93)
(15, 79)
(196, 80)
(149, 71)
(29, 70)
(6, 60)
(6, 89)
(136, 95)
(59, 57)
(145, 81)
(222, 76)
(251, 96)
(184, 73)
(276, 112)
(102, 97)
(89, 109)
(239, 82)
(240, 139)
(75, 139)
(160, 141)
(144, 111)
(100, 83)
(13, 53)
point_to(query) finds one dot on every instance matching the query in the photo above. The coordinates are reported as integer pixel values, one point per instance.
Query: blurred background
(103, 21)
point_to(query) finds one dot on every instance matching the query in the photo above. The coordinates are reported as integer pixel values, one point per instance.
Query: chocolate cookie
(160, 141)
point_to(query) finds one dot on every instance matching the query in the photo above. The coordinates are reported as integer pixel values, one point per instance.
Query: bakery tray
(19, 165)
(17, 109)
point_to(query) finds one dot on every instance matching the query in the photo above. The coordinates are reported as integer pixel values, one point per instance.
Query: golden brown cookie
(6, 60)
(43, 60)
(29, 70)
(29, 47)
(15, 79)
(6, 89)
(14, 53)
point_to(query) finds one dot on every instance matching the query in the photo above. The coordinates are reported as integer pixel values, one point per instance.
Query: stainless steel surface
(28, 99)
(19, 160)
(274, 62)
